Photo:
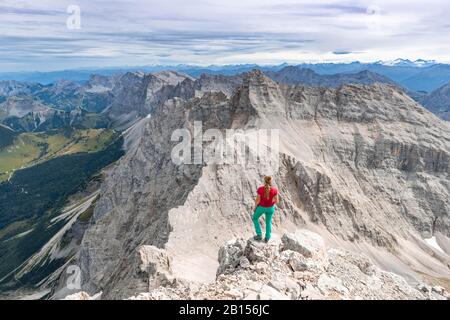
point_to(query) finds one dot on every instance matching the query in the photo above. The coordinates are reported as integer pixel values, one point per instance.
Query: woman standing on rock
(265, 204)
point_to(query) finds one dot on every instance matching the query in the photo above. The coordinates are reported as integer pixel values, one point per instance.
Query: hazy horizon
(189, 65)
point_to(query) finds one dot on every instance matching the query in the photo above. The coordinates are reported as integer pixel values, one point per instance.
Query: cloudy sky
(47, 34)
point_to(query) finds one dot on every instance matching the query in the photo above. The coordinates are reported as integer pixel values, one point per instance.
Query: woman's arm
(276, 199)
(257, 200)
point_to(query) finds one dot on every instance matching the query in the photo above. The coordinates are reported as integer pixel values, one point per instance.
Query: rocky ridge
(298, 267)
(303, 76)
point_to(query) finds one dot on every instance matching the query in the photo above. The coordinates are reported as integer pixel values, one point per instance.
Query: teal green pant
(269, 214)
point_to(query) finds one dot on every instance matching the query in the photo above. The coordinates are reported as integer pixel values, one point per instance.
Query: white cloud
(34, 33)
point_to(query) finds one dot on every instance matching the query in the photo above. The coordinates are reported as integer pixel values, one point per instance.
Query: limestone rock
(297, 261)
(230, 256)
(244, 262)
(255, 251)
(303, 242)
(156, 264)
(438, 289)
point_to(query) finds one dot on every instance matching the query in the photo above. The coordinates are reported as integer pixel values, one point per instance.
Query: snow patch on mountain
(433, 243)
(408, 63)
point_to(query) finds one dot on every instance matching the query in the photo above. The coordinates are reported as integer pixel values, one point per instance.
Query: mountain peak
(255, 77)
(408, 63)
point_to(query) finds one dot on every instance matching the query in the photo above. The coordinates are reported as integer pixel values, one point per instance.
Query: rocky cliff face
(365, 166)
(136, 94)
(438, 102)
(19, 106)
(190, 88)
(130, 92)
(12, 88)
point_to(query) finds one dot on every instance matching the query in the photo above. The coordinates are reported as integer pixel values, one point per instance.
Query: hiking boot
(266, 240)
(257, 238)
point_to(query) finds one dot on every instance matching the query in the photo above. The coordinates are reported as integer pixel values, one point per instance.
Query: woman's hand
(257, 200)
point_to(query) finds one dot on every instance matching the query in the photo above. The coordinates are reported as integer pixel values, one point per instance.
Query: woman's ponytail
(267, 185)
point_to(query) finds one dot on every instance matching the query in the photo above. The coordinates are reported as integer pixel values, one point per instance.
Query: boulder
(438, 289)
(297, 262)
(423, 287)
(261, 267)
(230, 256)
(255, 251)
(304, 242)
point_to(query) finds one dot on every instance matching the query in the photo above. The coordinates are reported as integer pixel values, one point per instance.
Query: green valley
(40, 175)
(26, 149)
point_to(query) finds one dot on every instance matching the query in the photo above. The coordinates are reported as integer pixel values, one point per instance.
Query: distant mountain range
(121, 99)
(418, 75)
